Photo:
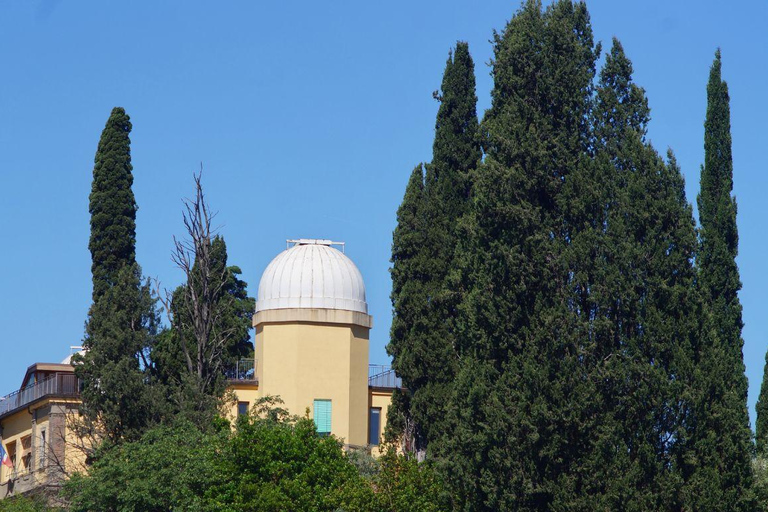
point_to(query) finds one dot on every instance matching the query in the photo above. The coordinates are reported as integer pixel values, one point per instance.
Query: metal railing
(61, 384)
(382, 376)
(244, 369)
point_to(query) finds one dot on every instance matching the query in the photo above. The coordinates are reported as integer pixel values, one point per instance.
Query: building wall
(53, 452)
(381, 399)
(15, 429)
(302, 361)
(25, 430)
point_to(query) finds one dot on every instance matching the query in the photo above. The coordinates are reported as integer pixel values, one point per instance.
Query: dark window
(242, 408)
(43, 460)
(374, 426)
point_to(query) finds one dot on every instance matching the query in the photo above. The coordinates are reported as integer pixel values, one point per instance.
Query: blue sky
(307, 118)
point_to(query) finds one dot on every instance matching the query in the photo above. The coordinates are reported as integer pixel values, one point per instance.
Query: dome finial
(313, 241)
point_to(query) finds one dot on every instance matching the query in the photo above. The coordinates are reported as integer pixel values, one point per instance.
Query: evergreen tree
(112, 204)
(408, 299)
(429, 372)
(456, 149)
(631, 248)
(122, 320)
(721, 478)
(518, 405)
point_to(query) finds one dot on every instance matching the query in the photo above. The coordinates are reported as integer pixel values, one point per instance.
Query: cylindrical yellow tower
(312, 328)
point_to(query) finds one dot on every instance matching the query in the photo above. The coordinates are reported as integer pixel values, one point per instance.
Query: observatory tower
(312, 328)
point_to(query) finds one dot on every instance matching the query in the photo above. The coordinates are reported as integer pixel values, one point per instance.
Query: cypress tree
(517, 407)
(429, 372)
(456, 149)
(122, 320)
(408, 299)
(112, 204)
(631, 248)
(721, 479)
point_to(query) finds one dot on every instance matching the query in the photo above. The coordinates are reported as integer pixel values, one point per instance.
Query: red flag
(4, 459)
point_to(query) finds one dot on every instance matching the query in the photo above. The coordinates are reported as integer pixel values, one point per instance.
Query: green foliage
(169, 468)
(456, 153)
(23, 504)
(274, 464)
(270, 462)
(760, 482)
(366, 464)
(121, 325)
(456, 149)
(576, 315)
(404, 485)
(112, 204)
(721, 474)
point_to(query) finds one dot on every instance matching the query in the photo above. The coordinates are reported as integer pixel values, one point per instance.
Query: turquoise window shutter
(322, 411)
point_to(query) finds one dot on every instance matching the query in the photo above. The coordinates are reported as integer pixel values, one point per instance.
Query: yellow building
(311, 344)
(35, 427)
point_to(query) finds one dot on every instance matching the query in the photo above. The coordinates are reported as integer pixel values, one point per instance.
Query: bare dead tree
(203, 302)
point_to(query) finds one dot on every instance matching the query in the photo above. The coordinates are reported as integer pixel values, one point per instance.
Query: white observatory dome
(312, 274)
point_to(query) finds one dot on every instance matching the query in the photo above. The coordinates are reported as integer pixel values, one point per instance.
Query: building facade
(36, 428)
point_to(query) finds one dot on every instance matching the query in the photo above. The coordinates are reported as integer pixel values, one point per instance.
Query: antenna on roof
(314, 241)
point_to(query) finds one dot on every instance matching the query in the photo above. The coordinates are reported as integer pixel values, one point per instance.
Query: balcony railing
(381, 376)
(59, 384)
(244, 369)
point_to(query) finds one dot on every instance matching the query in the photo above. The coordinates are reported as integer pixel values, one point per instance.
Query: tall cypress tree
(722, 477)
(631, 248)
(122, 320)
(429, 371)
(518, 399)
(456, 149)
(408, 299)
(112, 204)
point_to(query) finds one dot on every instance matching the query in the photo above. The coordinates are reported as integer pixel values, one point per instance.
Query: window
(374, 426)
(242, 408)
(26, 453)
(322, 411)
(12, 453)
(43, 447)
